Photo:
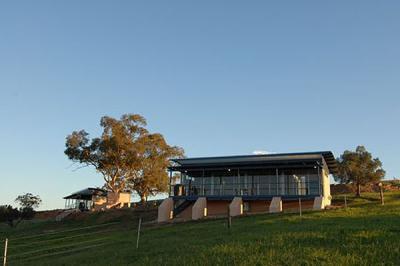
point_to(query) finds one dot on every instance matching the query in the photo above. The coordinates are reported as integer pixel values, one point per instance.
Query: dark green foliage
(359, 168)
(27, 213)
(9, 215)
(13, 216)
(28, 201)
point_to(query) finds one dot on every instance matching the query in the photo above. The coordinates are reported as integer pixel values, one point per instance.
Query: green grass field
(366, 233)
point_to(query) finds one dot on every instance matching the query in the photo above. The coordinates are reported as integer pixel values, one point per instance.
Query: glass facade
(251, 182)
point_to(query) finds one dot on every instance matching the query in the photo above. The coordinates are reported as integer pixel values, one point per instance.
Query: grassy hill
(364, 234)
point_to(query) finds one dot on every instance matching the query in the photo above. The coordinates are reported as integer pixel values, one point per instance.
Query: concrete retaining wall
(217, 208)
(258, 206)
(293, 205)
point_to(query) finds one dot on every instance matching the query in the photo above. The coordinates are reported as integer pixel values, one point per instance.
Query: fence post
(381, 193)
(138, 233)
(300, 206)
(5, 252)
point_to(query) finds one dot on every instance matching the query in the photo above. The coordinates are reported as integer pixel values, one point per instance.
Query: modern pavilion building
(93, 199)
(212, 186)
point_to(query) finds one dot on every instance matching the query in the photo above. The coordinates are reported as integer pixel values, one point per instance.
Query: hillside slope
(364, 234)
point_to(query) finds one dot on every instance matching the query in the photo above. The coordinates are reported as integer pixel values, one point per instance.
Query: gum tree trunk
(358, 193)
(143, 198)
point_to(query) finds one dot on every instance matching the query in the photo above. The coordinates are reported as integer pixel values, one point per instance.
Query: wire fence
(25, 249)
(22, 250)
(66, 231)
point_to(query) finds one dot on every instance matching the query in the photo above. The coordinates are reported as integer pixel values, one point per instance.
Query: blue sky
(214, 77)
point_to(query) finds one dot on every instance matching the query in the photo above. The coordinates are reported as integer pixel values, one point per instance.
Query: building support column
(239, 185)
(276, 205)
(318, 203)
(170, 183)
(199, 209)
(236, 206)
(319, 182)
(166, 210)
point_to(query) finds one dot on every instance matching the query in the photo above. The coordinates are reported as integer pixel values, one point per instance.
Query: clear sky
(214, 77)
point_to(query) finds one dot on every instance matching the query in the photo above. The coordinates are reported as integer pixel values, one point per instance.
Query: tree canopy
(359, 167)
(127, 155)
(13, 216)
(28, 200)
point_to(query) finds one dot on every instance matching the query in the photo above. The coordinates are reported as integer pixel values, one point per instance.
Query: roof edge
(327, 155)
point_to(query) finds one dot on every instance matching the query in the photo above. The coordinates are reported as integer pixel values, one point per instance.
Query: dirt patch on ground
(148, 212)
(121, 215)
(47, 215)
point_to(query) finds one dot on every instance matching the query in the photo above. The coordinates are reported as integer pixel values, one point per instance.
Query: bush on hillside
(9, 215)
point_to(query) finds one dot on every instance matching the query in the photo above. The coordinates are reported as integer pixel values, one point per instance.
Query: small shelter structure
(91, 199)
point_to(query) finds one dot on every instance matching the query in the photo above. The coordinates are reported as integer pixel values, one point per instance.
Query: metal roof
(258, 159)
(87, 193)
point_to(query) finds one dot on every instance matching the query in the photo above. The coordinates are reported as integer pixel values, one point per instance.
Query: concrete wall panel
(199, 209)
(217, 208)
(276, 205)
(236, 206)
(258, 206)
(165, 210)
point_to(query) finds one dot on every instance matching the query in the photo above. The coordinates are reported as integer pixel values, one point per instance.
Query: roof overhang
(87, 194)
(267, 160)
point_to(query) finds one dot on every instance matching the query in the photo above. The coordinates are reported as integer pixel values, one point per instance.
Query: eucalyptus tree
(13, 216)
(359, 168)
(127, 155)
